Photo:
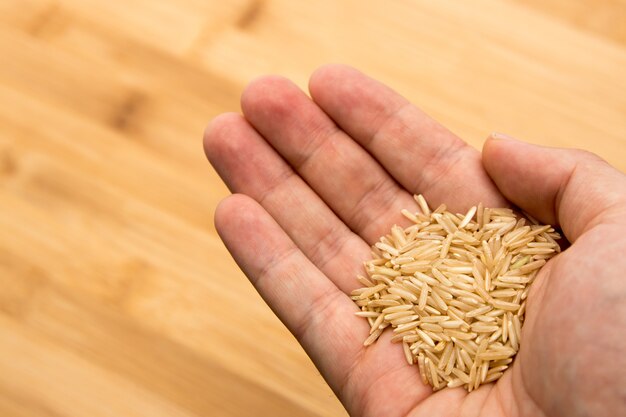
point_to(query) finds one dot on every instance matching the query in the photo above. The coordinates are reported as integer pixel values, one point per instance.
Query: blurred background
(117, 297)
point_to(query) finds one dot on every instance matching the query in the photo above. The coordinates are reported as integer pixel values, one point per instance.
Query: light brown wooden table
(116, 295)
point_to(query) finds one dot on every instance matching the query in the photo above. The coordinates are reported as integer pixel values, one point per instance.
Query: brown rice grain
(433, 374)
(492, 377)
(453, 288)
(455, 383)
(407, 353)
(425, 337)
(372, 337)
(422, 204)
(483, 371)
(431, 327)
(422, 367)
(373, 314)
(439, 347)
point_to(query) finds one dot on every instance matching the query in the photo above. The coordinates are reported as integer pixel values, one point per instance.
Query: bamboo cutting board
(116, 295)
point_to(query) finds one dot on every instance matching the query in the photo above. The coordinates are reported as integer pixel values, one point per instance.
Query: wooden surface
(116, 296)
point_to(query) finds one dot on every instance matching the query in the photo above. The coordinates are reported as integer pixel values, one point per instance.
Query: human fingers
(248, 165)
(342, 173)
(319, 315)
(417, 151)
(571, 188)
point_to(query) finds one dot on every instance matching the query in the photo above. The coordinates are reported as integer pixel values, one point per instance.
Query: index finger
(417, 151)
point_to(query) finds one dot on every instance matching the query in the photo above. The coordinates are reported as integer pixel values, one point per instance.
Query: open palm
(319, 180)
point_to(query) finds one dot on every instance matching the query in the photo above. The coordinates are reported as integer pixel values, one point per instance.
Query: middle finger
(340, 171)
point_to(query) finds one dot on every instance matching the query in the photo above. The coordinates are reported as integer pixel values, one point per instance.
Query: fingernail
(502, 136)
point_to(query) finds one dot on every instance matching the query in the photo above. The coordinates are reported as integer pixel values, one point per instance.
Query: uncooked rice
(454, 287)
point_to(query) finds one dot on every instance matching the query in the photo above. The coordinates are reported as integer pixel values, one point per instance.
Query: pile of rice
(453, 287)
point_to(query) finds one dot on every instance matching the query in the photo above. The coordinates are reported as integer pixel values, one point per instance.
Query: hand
(318, 181)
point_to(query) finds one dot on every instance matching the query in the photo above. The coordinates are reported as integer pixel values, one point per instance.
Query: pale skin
(317, 181)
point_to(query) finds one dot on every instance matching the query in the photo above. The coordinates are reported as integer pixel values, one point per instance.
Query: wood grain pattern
(604, 18)
(116, 295)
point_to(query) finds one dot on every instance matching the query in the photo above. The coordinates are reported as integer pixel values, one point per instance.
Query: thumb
(573, 189)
